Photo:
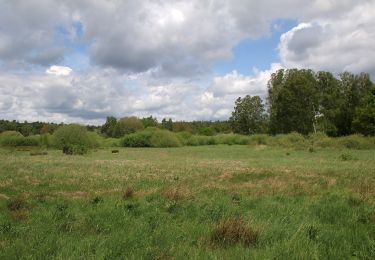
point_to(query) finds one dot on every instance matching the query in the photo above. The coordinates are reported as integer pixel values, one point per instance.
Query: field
(204, 202)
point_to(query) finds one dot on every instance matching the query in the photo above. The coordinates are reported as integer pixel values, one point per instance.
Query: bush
(355, 142)
(73, 139)
(15, 141)
(164, 138)
(321, 140)
(292, 140)
(151, 137)
(10, 133)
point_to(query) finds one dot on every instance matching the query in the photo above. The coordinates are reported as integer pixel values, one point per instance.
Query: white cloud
(59, 70)
(337, 45)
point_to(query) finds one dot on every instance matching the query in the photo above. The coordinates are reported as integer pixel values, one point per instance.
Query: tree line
(304, 101)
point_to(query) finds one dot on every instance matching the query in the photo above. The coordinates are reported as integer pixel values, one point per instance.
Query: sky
(79, 61)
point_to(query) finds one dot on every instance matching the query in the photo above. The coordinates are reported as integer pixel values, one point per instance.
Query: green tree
(167, 124)
(293, 101)
(149, 122)
(109, 127)
(354, 88)
(330, 101)
(364, 119)
(248, 115)
(127, 125)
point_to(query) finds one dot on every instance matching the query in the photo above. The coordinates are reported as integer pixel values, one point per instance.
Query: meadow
(196, 202)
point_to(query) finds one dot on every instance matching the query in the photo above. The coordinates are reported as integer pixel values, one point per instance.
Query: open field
(205, 202)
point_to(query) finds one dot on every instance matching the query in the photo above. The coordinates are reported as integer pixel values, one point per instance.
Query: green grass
(204, 202)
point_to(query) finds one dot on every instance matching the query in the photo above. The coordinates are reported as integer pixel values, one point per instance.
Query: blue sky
(258, 53)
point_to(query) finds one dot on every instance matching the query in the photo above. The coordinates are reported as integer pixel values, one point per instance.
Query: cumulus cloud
(337, 45)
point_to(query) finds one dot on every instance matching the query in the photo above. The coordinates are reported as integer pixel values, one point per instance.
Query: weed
(173, 194)
(128, 193)
(346, 157)
(312, 232)
(17, 203)
(235, 231)
(96, 200)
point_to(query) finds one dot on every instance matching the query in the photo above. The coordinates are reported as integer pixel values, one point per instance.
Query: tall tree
(330, 101)
(354, 88)
(109, 127)
(293, 101)
(248, 116)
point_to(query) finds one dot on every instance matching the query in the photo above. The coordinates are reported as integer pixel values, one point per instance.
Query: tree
(127, 125)
(354, 88)
(149, 122)
(330, 101)
(248, 115)
(109, 127)
(167, 124)
(364, 119)
(293, 101)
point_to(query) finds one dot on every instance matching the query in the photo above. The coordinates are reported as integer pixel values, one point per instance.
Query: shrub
(14, 141)
(321, 140)
(164, 138)
(259, 139)
(354, 142)
(73, 139)
(141, 139)
(10, 133)
(292, 140)
(75, 149)
(151, 137)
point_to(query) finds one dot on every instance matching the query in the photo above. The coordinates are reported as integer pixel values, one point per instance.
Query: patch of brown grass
(18, 203)
(128, 193)
(174, 194)
(235, 231)
(20, 215)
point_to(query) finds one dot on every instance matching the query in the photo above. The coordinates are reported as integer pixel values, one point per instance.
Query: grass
(204, 202)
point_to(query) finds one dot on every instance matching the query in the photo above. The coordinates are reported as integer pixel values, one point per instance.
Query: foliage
(149, 122)
(127, 125)
(151, 137)
(73, 139)
(364, 119)
(292, 97)
(15, 141)
(109, 127)
(167, 124)
(248, 116)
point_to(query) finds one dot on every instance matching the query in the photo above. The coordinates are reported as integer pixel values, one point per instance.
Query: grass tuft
(17, 203)
(173, 194)
(235, 231)
(128, 193)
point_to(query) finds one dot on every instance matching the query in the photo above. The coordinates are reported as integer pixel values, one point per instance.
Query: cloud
(337, 45)
(155, 57)
(59, 70)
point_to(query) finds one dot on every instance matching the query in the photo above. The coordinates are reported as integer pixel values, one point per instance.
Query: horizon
(81, 61)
